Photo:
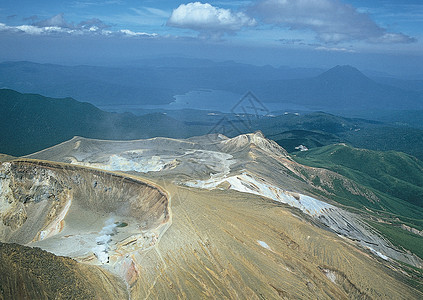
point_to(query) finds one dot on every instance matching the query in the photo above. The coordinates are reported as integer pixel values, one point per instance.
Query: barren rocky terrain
(205, 217)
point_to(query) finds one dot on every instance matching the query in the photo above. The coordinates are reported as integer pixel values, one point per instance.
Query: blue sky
(381, 35)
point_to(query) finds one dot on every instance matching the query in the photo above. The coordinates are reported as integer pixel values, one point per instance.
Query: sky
(380, 35)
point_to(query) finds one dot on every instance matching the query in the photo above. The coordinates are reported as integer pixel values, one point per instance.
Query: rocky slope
(244, 220)
(95, 217)
(31, 273)
(248, 163)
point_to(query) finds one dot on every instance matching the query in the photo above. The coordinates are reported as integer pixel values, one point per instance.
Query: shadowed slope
(31, 273)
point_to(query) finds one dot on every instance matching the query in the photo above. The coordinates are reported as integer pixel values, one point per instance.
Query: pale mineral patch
(264, 245)
(379, 254)
(247, 183)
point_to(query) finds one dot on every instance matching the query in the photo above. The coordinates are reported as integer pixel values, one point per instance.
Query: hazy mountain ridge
(154, 82)
(158, 81)
(342, 87)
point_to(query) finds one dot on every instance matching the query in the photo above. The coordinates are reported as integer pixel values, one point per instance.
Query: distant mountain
(152, 82)
(158, 81)
(97, 85)
(31, 122)
(340, 74)
(344, 80)
(342, 88)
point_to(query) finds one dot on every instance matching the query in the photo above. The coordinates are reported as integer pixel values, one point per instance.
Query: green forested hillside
(31, 122)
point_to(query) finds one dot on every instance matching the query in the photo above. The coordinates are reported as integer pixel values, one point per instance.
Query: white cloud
(389, 38)
(41, 30)
(208, 19)
(33, 30)
(57, 25)
(335, 49)
(332, 20)
(128, 32)
(27, 29)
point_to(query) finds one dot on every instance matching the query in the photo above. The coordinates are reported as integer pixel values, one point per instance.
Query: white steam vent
(102, 248)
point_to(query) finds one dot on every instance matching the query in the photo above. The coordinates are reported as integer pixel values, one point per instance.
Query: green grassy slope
(393, 173)
(395, 178)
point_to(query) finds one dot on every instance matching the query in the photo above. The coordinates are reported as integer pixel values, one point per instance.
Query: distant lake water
(203, 99)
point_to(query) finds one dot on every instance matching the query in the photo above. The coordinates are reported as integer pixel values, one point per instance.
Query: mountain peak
(344, 72)
(254, 140)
